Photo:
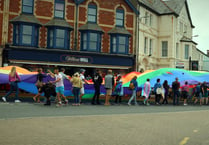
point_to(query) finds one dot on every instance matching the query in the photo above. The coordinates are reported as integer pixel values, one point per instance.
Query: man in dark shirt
(97, 79)
(176, 93)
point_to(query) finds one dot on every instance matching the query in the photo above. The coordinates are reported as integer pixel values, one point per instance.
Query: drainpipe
(76, 27)
(137, 40)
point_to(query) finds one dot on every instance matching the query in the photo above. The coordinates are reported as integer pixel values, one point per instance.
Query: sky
(199, 11)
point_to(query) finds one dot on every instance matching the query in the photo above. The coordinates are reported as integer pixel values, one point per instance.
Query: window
(120, 17)
(92, 13)
(119, 44)
(25, 35)
(177, 50)
(90, 41)
(150, 20)
(145, 45)
(181, 27)
(27, 6)
(150, 47)
(186, 55)
(58, 38)
(146, 18)
(59, 8)
(164, 48)
(185, 29)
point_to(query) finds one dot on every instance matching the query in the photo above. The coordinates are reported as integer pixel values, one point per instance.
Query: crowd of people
(112, 85)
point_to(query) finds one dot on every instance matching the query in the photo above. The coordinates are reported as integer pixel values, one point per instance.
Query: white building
(165, 35)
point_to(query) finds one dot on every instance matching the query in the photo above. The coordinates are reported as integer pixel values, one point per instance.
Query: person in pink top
(146, 91)
(185, 92)
(13, 80)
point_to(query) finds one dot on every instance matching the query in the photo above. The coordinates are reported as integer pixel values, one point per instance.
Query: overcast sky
(199, 11)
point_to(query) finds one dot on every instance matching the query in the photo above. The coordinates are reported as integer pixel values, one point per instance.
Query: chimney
(207, 52)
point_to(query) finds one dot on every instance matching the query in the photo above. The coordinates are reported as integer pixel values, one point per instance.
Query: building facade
(165, 35)
(74, 33)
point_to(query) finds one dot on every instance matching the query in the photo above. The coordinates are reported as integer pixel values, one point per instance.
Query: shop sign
(75, 59)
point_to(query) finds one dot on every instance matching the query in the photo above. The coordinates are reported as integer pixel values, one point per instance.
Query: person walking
(109, 83)
(39, 84)
(77, 85)
(135, 85)
(59, 86)
(97, 79)
(13, 81)
(84, 81)
(198, 93)
(166, 90)
(204, 89)
(64, 76)
(176, 93)
(146, 92)
(185, 92)
(157, 91)
(118, 90)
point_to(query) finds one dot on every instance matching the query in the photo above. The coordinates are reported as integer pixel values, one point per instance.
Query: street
(35, 124)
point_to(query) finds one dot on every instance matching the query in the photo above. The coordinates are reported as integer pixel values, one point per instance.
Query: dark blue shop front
(68, 58)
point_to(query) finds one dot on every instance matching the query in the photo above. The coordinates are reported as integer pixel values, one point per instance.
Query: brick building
(72, 33)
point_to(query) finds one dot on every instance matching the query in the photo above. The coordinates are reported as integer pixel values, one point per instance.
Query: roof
(27, 18)
(91, 26)
(131, 3)
(59, 23)
(161, 7)
(119, 30)
(186, 39)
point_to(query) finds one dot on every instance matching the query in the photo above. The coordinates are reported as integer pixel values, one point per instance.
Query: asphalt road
(35, 124)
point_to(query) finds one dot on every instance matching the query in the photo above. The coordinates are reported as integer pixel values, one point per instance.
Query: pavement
(35, 124)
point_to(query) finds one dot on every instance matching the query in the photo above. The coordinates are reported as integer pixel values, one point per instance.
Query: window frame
(120, 10)
(163, 53)
(60, 2)
(35, 31)
(88, 48)
(150, 47)
(145, 45)
(186, 55)
(54, 37)
(28, 6)
(92, 6)
(117, 43)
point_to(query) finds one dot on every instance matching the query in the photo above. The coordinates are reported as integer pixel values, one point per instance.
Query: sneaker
(129, 104)
(148, 104)
(66, 102)
(4, 99)
(59, 104)
(185, 104)
(17, 101)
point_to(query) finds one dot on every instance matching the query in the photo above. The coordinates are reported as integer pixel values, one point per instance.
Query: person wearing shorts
(185, 92)
(59, 86)
(109, 83)
(84, 81)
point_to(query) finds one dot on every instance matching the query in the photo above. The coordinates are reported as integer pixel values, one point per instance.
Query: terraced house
(74, 33)
(165, 36)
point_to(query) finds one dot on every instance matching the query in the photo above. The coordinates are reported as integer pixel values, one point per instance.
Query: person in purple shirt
(13, 80)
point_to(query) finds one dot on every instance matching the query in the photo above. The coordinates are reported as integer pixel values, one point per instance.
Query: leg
(17, 91)
(178, 95)
(116, 98)
(206, 100)
(135, 98)
(98, 95)
(11, 89)
(132, 97)
(174, 98)
(93, 99)
(120, 99)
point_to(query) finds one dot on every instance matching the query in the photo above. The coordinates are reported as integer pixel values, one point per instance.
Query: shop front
(71, 60)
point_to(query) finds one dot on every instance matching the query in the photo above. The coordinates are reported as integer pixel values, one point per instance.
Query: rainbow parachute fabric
(28, 79)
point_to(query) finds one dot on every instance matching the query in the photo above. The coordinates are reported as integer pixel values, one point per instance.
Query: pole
(76, 27)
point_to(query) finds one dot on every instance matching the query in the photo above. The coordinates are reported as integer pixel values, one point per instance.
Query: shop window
(58, 38)
(90, 41)
(25, 35)
(119, 44)
(120, 17)
(92, 13)
(27, 6)
(59, 9)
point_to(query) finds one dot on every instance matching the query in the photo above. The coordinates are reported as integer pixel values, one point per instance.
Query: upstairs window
(119, 44)
(150, 47)
(27, 6)
(25, 35)
(120, 17)
(186, 54)
(145, 45)
(92, 13)
(90, 41)
(164, 48)
(59, 9)
(58, 38)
